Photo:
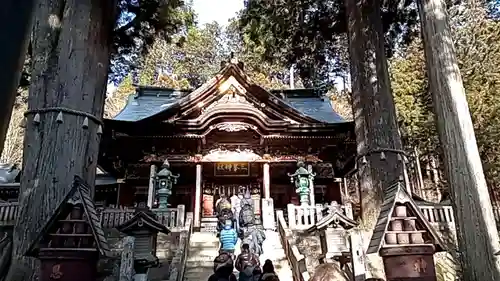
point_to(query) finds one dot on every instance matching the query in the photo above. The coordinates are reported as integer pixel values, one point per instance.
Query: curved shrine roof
(150, 101)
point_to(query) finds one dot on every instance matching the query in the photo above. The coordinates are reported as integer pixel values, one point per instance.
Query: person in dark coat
(247, 264)
(268, 272)
(223, 268)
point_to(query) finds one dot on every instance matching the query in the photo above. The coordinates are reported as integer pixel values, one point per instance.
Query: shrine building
(228, 135)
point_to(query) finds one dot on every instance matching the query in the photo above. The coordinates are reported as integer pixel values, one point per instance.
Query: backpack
(224, 215)
(246, 215)
(223, 205)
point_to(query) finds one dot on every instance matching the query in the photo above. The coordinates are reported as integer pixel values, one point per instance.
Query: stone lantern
(165, 180)
(72, 241)
(303, 179)
(332, 230)
(144, 227)
(404, 238)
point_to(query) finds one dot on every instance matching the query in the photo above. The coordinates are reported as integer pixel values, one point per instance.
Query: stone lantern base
(409, 263)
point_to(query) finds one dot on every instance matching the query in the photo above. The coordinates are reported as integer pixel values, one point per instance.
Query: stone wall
(447, 266)
(109, 269)
(166, 247)
(309, 245)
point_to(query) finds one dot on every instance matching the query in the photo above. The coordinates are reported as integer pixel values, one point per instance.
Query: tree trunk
(374, 115)
(15, 22)
(476, 230)
(71, 46)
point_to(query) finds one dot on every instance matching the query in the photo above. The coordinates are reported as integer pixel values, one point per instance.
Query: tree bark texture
(476, 230)
(15, 23)
(71, 46)
(374, 115)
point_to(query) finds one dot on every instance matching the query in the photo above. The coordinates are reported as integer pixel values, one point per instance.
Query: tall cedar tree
(72, 42)
(476, 228)
(374, 114)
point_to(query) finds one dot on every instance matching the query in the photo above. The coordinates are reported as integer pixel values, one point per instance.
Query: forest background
(301, 35)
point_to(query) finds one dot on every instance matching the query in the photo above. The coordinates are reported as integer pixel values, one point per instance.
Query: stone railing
(296, 260)
(178, 264)
(172, 218)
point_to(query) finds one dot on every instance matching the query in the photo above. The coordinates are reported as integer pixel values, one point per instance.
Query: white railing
(296, 260)
(304, 216)
(178, 264)
(438, 214)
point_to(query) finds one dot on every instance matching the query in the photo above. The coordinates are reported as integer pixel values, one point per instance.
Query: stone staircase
(273, 250)
(204, 247)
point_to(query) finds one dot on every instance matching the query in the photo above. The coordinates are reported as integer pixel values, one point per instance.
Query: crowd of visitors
(236, 220)
(247, 264)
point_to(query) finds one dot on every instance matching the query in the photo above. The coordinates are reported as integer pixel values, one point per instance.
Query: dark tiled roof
(148, 102)
(317, 108)
(152, 101)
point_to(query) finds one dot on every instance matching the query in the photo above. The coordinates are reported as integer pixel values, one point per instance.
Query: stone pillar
(151, 189)
(312, 200)
(267, 181)
(357, 255)
(127, 259)
(268, 220)
(197, 199)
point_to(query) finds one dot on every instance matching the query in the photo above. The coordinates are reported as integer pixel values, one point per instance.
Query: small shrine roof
(80, 192)
(143, 219)
(10, 176)
(8, 173)
(394, 194)
(335, 216)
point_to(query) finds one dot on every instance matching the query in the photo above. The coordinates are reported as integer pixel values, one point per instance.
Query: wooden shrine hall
(226, 136)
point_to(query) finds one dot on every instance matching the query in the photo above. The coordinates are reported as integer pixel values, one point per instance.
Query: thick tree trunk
(374, 114)
(71, 46)
(476, 230)
(15, 22)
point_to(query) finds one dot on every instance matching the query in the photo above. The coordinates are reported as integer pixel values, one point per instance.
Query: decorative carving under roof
(74, 226)
(233, 126)
(221, 155)
(396, 195)
(231, 97)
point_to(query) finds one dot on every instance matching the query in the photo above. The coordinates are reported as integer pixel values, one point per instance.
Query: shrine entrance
(228, 179)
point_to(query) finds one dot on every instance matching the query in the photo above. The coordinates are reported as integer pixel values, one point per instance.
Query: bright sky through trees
(216, 10)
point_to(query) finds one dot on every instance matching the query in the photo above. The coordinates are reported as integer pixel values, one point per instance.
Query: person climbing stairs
(204, 248)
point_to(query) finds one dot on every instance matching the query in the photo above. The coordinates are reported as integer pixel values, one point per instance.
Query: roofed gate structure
(226, 137)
